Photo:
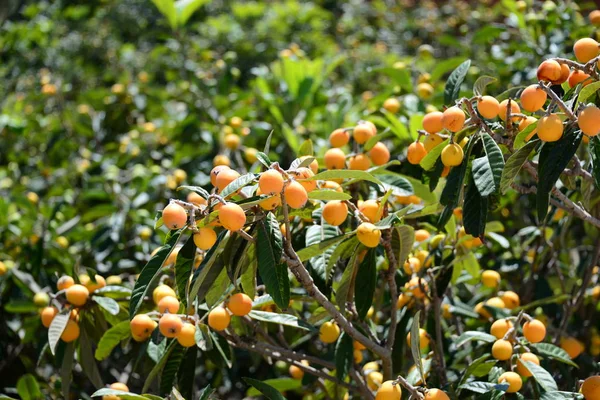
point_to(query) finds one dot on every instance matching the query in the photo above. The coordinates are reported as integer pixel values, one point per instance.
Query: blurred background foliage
(107, 106)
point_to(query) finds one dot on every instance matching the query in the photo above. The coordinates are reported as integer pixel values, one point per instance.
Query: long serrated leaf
(403, 238)
(108, 304)
(346, 282)
(344, 356)
(169, 371)
(481, 83)
(237, 184)
(149, 272)
(57, 326)
(157, 369)
(344, 174)
(415, 345)
(429, 161)
(554, 158)
(183, 268)
(268, 391)
(66, 369)
(86, 359)
(268, 255)
(342, 251)
(474, 211)
(542, 377)
(595, 153)
(514, 164)
(208, 270)
(28, 388)
(365, 283)
(281, 319)
(454, 82)
(111, 338)
(553, 352)
(322, 234)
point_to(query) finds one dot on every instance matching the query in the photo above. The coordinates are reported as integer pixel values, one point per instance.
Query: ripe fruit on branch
(339, 138)
(329, 332)
(513, 380)
(436, 394)
(225, 177)
(453, 119)
(187, 335)
(116, 386)
(591, 386)
(577, 77)
(533, 98)
(168, 304)
(162, 291)
(432, 122)
(550, 128)
(71, 331)
(589, 120)
(389, 391)
(271, 203)
(534, 331)
(77, 295)
(374, 380)
(490, 278)
(219, 319)
(142, 327)
(416, 152)
(335, 212)
(370, 209)
(363, 132)
(240, 304)
(585, 49)
(525, 122)
(549, 71)
(305, 173)
(297, 372)
(572, 346)
(360, 162)
(314, 164)
(521, 368)
(41, 299)
(500, 327)
(334, 159)
(215, 172)
(99, 283)
(514, 109)
(368, 234)
(232, 217)
(379, 154)
(431, 141)
(205, 238)
(270, 181)
(452, 155)
(47, 315)
(295, 195)
(422, 235)
(174, 216)
(511, 299)
(502, 349)
(232, 141)
(488, 107)
(170, 325)
(65, 282)
(392, 105)
(196, 199)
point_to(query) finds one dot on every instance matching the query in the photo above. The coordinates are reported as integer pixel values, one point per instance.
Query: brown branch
(391, 278)
(439, 343)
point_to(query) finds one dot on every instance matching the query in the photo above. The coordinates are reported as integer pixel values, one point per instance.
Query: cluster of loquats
(174, 322)
(71, 299)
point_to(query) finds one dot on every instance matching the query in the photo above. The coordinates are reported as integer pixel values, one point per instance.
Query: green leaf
(345, 282)
(169, 371)
(344, 174)
(344, 356)
(86, 358)
(206, 393)
(66, 369)
(328, 194)
(415, 345)
(28, 388)
(167, 9)
(342, 251)
(474, 335)
(201, 191)
(185, 9)
(237, 184)
(219, 288)
(281, 319)
(480, 387)
(306, 148)
(208, 270)
(429, 161)
(524, 134)
(481, 83)
(514, 164)
(325, 236)
(187, 372)
(315, 247)
(595, 153)
(554, 158)
(113, 291)
(403, 238)
(183, 268)
(108, 304)
(443, 67)
(472, 367)
(365, 283)
(149, 272)
(111, 338)
(553, 352)
(123, 395)
(58, 325)
(264, 159)
(156, 371)
(267, 390)
(474, 211)
(587, 91)
(454, 82)
(487, 171)
(216, 341)
(542, 377)
(269, 249)
(561, 396)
